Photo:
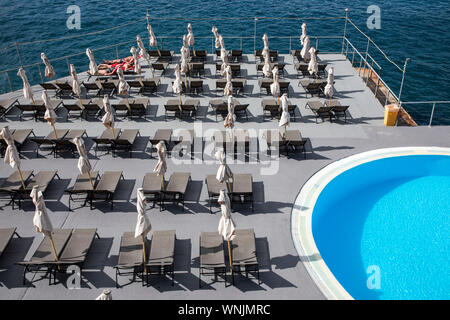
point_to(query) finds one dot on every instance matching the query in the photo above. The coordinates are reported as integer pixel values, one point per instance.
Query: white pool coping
(301, 216)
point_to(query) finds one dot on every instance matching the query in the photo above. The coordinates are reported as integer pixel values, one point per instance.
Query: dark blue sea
(416, 29)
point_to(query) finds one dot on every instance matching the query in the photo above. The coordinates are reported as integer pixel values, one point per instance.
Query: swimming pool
(380, 228)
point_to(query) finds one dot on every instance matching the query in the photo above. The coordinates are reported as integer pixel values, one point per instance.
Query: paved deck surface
(282, 272)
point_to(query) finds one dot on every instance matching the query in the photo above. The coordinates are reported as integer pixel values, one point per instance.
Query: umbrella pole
(229, 186)
(151, 68)
(90, 180)
(143, 251)
(162, 182)
(229, 255)
(112, 128)
(285, 132)
(32, 99)
(21, 177)
(54, 131)
(54, 250)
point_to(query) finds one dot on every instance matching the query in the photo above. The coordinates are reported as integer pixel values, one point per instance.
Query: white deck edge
(301, 215)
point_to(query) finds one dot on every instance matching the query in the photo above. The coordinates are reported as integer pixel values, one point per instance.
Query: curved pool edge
(301, 214)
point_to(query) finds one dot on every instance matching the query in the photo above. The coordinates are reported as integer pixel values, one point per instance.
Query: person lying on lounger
(110, 69)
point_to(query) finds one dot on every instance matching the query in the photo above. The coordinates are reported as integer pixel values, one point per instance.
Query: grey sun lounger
(176, 188)
(320, 110)
(82, 187)
(106, 187)
(150, 85)
(43, 258)
(65, 89)
(74, 108)
(29, 109)
(6, 105)
(160, 66)
(20, 136)
(214, 186)
(293, 141)
(41, 179)
(75, 251)
(152, 187)
(6, 234)
(106, 139)
(212, 257)
(242, 189)
(161, 260)
(337, 110)
(125, 141)
(161, 135)
(12, 185)
(66, 144)
(130, 257)
(50, 86)
(49, 140)
(138, 107)
(313, 87)
(243, 252)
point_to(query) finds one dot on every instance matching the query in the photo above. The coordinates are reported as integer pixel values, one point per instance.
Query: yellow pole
(54, 131)
(229, 255)
(143, 251)
(21, 177)
(162, 182)
(90, 180)
(32, 99)
(54, 250)
(284, 131)
(229, 186)
(114, 135)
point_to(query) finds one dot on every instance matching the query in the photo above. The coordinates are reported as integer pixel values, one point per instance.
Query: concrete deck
(282, 272)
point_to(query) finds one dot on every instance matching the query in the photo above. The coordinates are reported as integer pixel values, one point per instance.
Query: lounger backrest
(151, 183)
(178, 182)
(128, 136)
(162, 249)
(109, 181)
(44, 252)
(5, 237)
(20, 135)
(213, 185)
(83, 184)
(78, 246)
(244, 247)
(243, 183)
(130, 252)
(41, 179)
(211, 250)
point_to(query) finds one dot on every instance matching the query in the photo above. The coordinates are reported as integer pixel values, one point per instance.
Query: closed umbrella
(76, 84)
(177, 86)
(11, 155)
(27, 93)
(143, 225)
(137, 65)
(266, 50)
(161, 165)
(216, 35)
(329, 88)
(49, 71)
(224, 55)
(275, 86)
(231, 117)
(108, 117)
(267, 68)
(313, 67)
(41, 220)
(190, 37)
(226, 225)
(224, 172)
(84, 165)
(105, 295)
(93, 68)
(185, 62)
(285, 117)
(152, 38)
(305, 50)
(223, 67)
(123, 86)
(221, 41)
(50, 114)
(143, 52)
(228, 90)
(304, 35)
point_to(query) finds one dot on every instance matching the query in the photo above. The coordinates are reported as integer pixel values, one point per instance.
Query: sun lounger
(160, 66)
(121, 108)
(240, 110)
(162, 55)
(242, 189)
(197, 69)
(238, 85)
(6, 105)
(65, 89)
(29, 109)
(172, 106)
(74, 107)
(161, 260)
(296, 54)
(175, 190)
(199, 56)
(319, 110)
(189, 108)
(50, 86)
(235, 69)
(66, 144)
(150, 85)
(219, 106)
(108, 87)
(93, 108)
(214, 186)
(272, 53)
(43, 257)
(20, 136)
(187, 137)
(82, 187)
(125, 141)
(241, 141)
(106, 187)
(313, 86)
(12, 185)
(130, 257)
(135, 84)
(151, 186)
(212, 257)
(244, 254)
(337, 110)
(236, 55)
(49, 141)
(41, 179)
(293, 141)
(161, 135)
(92, 86)
(39, 111)
(195, 86)
(106, 139)
(266, 82)
(75, 251)
(6, 234)
(138, 107)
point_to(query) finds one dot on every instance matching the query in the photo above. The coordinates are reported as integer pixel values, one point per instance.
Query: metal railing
(432, 103)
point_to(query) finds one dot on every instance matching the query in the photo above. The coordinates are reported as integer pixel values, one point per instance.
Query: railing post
(432, 114)
(241, 43)
(18, 55)
(367, 48)
(353, 58)
(317, 43)
(345, 30)
(290, 44)
(10, 83)
(40, 73)
(403, 80)
(117, 52)
(212, 45)
(254, 36)
(68, 64)
(346, 52)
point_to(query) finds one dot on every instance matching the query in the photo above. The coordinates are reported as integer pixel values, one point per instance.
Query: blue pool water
(415, 29)
(392, 214)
